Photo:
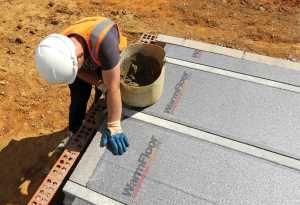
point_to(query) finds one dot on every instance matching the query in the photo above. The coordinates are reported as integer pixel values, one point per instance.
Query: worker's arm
(111, 79)
(109, 56)
(90, 77)
(112, 133)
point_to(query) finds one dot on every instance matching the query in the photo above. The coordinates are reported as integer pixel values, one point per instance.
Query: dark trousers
(80, 92)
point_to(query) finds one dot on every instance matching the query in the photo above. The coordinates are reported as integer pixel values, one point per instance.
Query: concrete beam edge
(88, 195)
(88, 162)
(229, 52)
(201, 46)
(271, 61)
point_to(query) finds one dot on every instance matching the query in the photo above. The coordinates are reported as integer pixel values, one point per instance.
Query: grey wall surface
(275, 73)
(245, 111)
(190, 171)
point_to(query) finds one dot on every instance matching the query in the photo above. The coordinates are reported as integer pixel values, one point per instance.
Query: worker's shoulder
(112, 34)
(109, 54)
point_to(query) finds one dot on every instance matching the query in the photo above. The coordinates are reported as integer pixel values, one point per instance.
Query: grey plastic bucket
(143, 96)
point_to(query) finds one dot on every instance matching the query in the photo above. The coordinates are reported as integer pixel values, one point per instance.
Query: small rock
(261, 8)
(54, 22)
(19, 40)
(2, 93)
(292, 58)
(11, 40)
(3, 82)
(3, 70)
(64, 10)
(10, 52)
(244, 2)
(23, 94)
(283, 9)
(19, 27)
(51, 4)
(95, 3)
(124, 12)
(114, 13)
(224, 1)
(32, 32)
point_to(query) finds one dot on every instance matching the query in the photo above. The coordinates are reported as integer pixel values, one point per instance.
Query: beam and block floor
(224, 132)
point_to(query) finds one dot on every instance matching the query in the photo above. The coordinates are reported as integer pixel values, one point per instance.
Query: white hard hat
(56, 59)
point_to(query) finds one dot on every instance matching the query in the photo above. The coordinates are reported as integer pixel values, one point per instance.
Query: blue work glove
(117, 142)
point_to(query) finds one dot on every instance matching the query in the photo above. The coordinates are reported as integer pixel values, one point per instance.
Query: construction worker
(85, 54)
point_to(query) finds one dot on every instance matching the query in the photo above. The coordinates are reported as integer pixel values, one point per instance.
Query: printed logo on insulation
(180, 89)
(197, 54)
(145, 161)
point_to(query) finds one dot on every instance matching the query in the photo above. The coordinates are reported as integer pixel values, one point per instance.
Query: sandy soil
(34, 114)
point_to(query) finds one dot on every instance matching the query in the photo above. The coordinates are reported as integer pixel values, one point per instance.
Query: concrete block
(272, 61)
(201, 46)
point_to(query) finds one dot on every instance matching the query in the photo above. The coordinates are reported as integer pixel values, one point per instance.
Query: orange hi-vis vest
(93, 30)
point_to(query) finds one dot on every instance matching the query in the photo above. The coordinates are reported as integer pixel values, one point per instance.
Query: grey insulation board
(87, 164)
(185, 170)
(252, 113)
(239, 65)
(78, 201)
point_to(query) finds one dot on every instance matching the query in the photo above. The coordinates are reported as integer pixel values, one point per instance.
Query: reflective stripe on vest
(93, 30)
(97, 35)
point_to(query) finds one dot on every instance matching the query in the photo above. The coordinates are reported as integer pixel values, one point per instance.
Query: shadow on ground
(24, 164)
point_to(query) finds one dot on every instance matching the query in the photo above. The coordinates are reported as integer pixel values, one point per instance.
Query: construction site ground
(34, 114)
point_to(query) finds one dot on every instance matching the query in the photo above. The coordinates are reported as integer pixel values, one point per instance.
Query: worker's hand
(114, 138)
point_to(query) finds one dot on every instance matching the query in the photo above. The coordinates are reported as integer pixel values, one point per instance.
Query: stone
(19, 40)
